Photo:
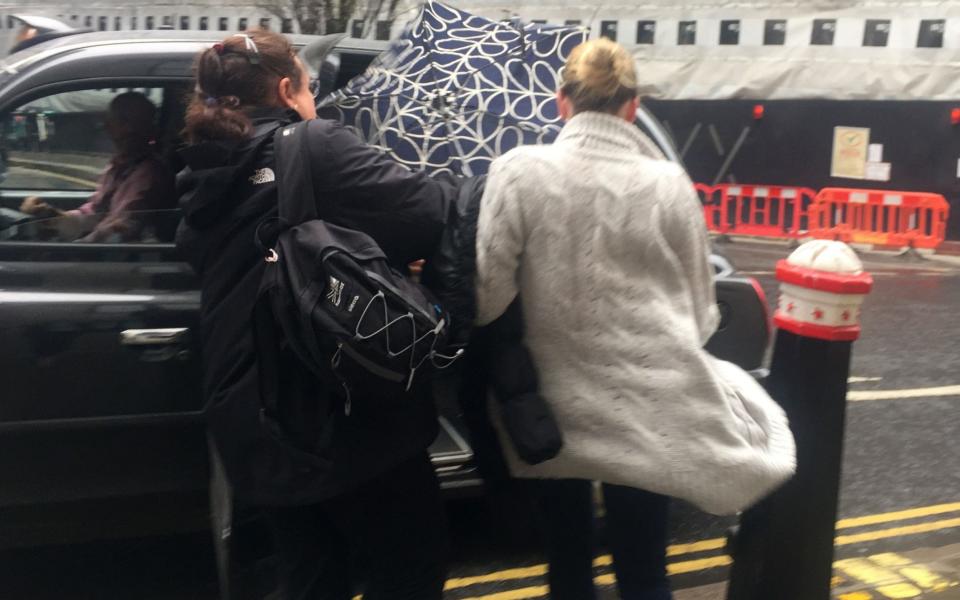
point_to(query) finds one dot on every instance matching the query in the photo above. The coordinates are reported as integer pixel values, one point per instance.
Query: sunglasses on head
(253, 55)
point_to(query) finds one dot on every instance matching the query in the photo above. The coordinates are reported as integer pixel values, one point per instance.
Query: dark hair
(136, 111)
(239, 73)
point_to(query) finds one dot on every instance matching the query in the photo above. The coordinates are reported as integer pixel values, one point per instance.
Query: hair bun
(601, 73)
(600, 76)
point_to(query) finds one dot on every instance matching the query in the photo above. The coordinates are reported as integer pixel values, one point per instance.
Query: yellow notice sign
(850, 152)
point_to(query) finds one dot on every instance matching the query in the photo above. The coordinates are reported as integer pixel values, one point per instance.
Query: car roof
(127, 56)
(127, 42)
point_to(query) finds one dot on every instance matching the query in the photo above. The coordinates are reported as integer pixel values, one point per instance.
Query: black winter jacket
(497, 359)
(451, 269)
(226, 190)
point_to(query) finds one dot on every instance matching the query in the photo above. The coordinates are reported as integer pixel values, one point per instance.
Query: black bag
(514, 381)
(532, 428)
(335, 299)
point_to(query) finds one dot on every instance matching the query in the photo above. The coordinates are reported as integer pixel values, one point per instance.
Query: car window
(60, 142)
(92, 165)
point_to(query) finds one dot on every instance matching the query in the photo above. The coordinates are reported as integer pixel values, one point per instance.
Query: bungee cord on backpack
(434, 356)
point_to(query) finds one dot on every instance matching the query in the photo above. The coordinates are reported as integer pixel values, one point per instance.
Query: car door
(100, 392)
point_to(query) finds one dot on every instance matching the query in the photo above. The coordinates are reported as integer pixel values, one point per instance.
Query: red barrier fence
(764, 210)
(711, 208)
(886, 218)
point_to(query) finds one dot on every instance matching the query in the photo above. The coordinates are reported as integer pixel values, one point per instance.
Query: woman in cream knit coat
(604, 241)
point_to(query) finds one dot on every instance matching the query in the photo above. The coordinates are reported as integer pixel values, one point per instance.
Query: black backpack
(338, 304)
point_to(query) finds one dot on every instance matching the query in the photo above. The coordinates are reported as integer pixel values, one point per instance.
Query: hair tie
(218, 48)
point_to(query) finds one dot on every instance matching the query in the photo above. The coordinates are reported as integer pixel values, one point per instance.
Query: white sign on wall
(850, 152)
(877, 171)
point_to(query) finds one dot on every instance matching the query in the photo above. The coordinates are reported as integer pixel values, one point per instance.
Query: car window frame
(83, 251)
(74, 85)
(65, 193)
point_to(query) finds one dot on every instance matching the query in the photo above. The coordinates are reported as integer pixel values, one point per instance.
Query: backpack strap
(296, 205)
(296, 196)
(266, 340)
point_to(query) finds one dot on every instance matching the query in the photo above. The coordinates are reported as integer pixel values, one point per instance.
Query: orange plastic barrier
(764, 210)
(880, 217)
(709, 198)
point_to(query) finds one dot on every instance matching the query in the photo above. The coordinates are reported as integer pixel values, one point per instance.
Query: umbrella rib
(384, 97)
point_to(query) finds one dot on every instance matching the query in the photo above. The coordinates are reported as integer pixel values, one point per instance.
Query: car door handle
(154, 337)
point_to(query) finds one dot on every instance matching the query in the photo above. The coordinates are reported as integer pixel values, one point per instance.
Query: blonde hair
(599, 76)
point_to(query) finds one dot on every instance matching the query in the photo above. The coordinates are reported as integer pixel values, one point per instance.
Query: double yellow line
(888, 575)
(720, 560)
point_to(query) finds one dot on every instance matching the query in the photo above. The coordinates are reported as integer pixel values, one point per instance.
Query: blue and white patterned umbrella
(457, 90)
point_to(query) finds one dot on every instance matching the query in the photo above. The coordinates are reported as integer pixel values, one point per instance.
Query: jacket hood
(213, 170)
(204, 186)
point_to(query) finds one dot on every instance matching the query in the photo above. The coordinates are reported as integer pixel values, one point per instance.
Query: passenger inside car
(137, 179)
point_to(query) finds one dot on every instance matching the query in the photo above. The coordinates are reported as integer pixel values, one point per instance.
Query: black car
(100, 396)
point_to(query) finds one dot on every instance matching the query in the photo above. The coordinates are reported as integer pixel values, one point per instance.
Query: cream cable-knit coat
(605, 242)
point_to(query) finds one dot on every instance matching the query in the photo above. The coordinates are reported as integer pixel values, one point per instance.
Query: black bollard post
(783, 548)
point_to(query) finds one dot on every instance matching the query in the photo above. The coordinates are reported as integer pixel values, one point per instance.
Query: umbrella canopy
(457, 90)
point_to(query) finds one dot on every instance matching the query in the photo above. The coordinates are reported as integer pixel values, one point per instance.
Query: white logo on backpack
(261, 176)
(335, 293)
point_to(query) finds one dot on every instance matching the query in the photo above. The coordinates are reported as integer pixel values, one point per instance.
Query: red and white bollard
(822, 286)
(784, 546)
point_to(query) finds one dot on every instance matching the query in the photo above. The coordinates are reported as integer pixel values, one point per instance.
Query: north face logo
(335, 292)
(261, 176)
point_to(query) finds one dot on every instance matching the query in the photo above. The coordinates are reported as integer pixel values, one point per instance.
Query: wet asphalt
(900, 452)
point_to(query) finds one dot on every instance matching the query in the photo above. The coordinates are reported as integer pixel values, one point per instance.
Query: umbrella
(457, 90)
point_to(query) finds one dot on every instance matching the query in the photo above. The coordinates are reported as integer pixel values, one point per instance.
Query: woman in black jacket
(332, 485)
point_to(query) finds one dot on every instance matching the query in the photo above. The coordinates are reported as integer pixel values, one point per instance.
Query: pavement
(901, 420)
(91, 163)
(53, 170)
